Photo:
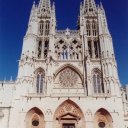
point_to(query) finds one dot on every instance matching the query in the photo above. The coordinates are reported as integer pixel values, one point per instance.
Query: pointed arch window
(46, 48)
(97, 83)
(41, 28)
(47, 28)
(88, 27)
(94, 28)
(40, 82)
(39, 49)
(97, 49)
(90, 48)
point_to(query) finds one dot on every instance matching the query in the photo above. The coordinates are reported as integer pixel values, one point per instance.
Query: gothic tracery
(68, 107)
(68, 51)
(68, 78)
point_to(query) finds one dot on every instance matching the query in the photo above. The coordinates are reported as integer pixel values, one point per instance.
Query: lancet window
(41, 28)
(44, 28)
(39, 49)
(97, 83)
(88, 27)
(90, 48)
(42, 49)
(94, 48)
(40, 81)
(47, 28)
(94, 28)
(97, 49)
(46, 48)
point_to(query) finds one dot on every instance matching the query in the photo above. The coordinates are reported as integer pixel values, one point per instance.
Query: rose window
(68, 78)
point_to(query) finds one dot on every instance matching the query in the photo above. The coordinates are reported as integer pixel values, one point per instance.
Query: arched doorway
(35, 118)
(68, 115)
(103, 119)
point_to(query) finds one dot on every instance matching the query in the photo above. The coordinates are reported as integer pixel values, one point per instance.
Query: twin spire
(45, 6)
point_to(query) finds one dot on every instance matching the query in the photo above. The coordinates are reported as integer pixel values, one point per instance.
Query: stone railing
(67, 32)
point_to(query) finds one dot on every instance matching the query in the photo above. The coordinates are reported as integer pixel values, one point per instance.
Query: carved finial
(101, 6)
(11, 79)
(33, 6)
(4, 79)
(33, 2)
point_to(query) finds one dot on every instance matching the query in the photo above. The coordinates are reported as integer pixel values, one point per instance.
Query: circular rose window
(35, 123)
(101, 125)
(68, 78)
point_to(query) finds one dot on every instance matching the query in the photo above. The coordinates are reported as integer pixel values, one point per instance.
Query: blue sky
(14, 17)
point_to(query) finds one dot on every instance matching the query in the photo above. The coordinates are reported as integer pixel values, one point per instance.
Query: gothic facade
(66, 78)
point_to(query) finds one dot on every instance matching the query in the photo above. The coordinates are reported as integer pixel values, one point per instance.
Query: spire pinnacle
(11, 79)
(90, 6)
(44, 7)
(53, 9)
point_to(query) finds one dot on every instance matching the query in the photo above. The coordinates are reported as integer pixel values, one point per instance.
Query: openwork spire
(44, 7)
(90, 6)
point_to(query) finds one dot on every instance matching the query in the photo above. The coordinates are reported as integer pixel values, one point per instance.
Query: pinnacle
(90, 6)
(44, 4)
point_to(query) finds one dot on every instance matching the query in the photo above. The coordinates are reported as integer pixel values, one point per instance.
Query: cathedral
(66, 78)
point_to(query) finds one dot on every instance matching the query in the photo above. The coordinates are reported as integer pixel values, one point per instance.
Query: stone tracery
(68, 51)
(68, 78)
(68, 107)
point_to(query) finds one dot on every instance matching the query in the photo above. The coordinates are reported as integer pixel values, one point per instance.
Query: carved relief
(49, 78)
(88, 112)
(68, 78)
(88, 115)
(66, 108)
(48, 112)
(103, 119)
(69, 113)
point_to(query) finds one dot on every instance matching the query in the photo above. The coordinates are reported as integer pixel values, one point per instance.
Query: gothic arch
(68, 106)
(96, 70)
(39, 80)
(41, 27)
(34, 118)
(39, 69)
(97, 82)
(88, 27)
(71, 67)
(69, 112)
(103, 119)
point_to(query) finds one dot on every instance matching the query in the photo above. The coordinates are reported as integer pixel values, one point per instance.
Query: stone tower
(89, 49)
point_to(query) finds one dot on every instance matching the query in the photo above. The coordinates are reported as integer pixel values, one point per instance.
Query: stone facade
(66, 78)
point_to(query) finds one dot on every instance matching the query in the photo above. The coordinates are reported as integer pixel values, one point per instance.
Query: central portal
(68, 125)
(69, 115)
